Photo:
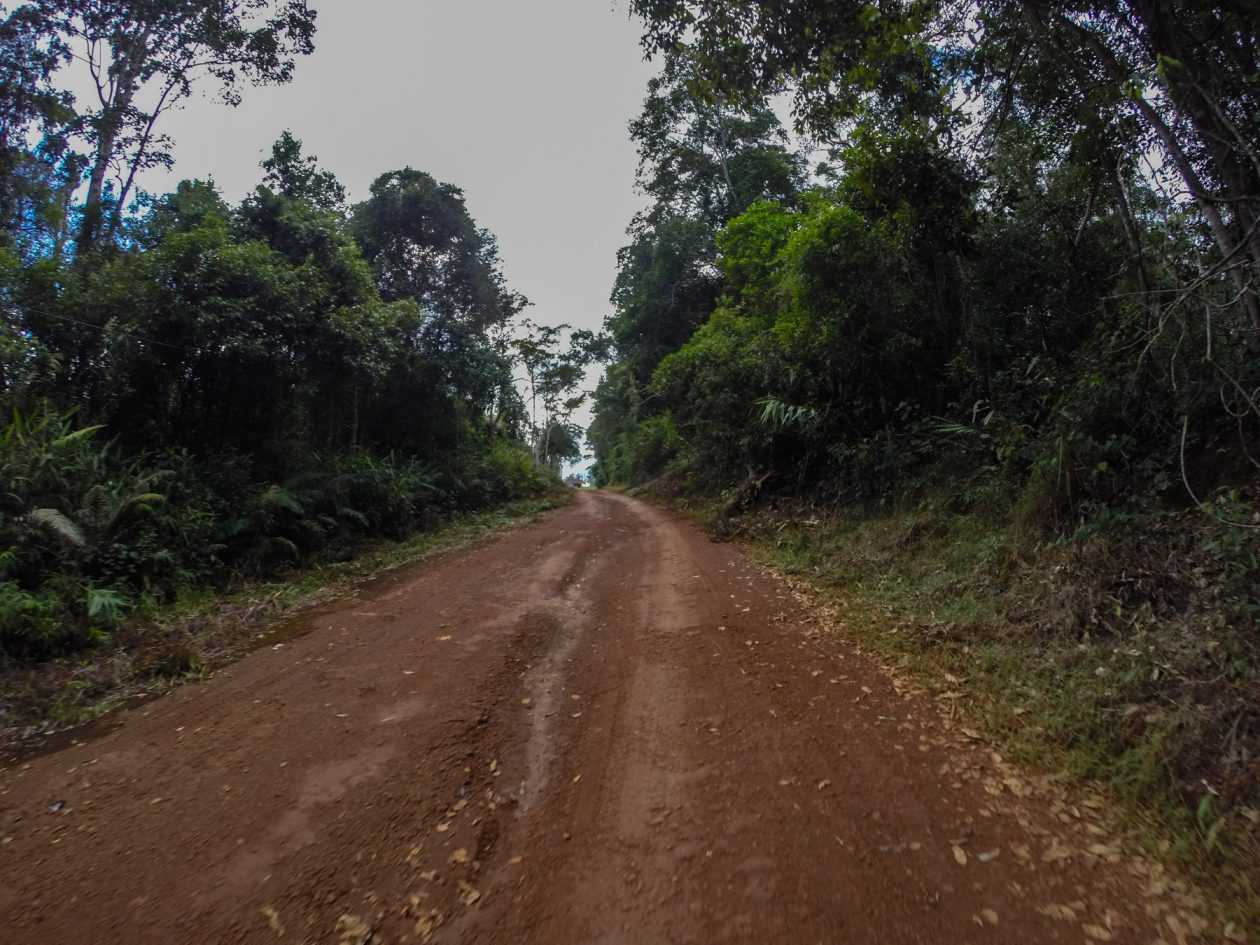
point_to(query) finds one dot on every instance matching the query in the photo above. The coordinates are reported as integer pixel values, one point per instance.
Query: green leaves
(105, 606)
(704, 156)
(225, 349)
(57, 523)
(423, 245)
(843, 59)
(76, 436)
(298, 177)
(779, 416)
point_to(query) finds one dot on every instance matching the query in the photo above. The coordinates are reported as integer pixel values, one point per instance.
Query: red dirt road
(601, 728)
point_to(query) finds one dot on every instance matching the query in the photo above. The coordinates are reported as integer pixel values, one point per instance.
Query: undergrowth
(1124, 652)
(202, 630)
(91, 535)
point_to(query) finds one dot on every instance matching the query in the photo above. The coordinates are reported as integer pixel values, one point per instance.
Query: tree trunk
(726, 171)
(354, 420)
(130, 58)
(93, 212)
(1132, 235)
(1241, 265)
(115, 220)
(1230, 154)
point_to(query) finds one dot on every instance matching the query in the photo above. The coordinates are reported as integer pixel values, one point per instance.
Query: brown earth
(603, 728)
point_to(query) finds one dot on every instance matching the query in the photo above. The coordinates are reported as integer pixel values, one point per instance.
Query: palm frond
(56, 522)
(76, 436)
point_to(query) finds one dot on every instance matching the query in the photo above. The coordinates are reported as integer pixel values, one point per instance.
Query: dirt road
(602, 728)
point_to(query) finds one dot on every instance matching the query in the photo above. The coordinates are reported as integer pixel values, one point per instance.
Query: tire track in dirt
(602, 728)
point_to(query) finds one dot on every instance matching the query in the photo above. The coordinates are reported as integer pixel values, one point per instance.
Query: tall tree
(553, 374)
(33, 114)
(144, 56)
(424, 245)
(298, 176)
(704, 158)
(1185, 72)
(704, 155)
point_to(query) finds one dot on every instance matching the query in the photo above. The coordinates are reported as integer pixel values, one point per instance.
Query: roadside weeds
(46, 706)
(1112, 711)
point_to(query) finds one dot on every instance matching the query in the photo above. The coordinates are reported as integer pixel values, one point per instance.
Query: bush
(88, 534)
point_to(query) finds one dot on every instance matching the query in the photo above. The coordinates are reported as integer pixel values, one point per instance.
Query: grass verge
(1123, 656)
(41, 703)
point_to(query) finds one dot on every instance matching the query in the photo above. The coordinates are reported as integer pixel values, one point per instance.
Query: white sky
(523, 105)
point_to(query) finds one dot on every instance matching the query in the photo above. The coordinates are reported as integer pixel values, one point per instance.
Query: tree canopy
(1033, 228)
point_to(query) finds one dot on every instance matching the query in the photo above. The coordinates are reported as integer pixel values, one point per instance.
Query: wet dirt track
(601, 728)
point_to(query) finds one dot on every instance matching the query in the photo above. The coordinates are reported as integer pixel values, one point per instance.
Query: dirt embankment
(602, 728)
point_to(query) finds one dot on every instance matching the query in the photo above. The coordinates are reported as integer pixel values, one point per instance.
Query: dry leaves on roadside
(273, 920)
(1055, 852)
(353, 930)
(1062, 913)
(428, 924)
(468, 894)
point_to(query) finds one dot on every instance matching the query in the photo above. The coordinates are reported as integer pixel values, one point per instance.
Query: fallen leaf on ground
(1101, 849)
(989, 916)
(960, 856)
(1055, 852)
(468, 893)
(352, 930)
(1062, 913)
(429, 923)
(1233, 933)
(273, 919)
(1178, 929)
(1097, 933)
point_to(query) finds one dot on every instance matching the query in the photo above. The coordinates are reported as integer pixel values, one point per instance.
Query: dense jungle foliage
(192, 391)
(1000, 294)
(1028, 245)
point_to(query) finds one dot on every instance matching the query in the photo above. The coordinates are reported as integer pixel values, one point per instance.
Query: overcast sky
(523, 105)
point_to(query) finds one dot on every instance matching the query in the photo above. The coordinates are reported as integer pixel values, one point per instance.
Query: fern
(277, 497)
(72, 438)
(56, 522)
